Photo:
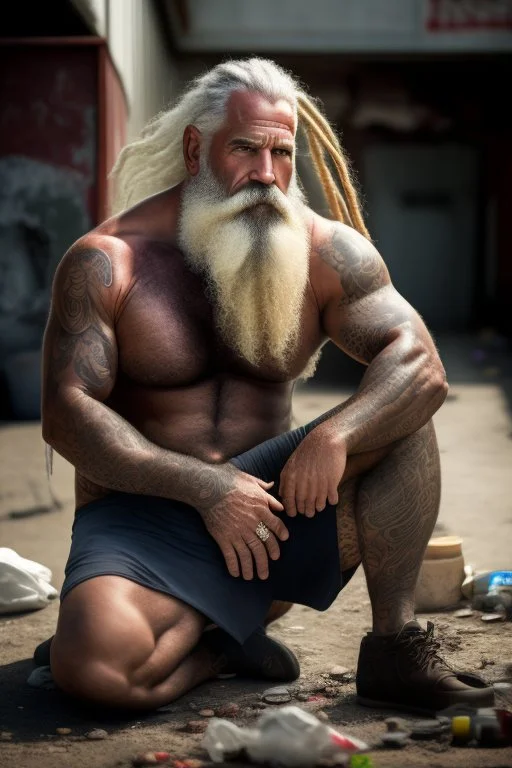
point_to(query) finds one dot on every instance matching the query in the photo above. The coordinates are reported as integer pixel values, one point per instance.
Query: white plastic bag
(287, 736)
(24, 584)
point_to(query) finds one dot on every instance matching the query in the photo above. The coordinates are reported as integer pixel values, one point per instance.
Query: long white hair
(155, 161)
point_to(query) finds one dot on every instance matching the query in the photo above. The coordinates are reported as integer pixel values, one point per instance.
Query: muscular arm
(404, 383)
(79, 371)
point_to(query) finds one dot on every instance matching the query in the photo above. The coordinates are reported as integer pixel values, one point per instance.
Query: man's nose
(263, 167)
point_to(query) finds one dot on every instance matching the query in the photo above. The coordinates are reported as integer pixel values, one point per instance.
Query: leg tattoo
(396, 510)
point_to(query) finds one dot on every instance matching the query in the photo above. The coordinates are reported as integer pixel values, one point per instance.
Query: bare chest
(167, 335)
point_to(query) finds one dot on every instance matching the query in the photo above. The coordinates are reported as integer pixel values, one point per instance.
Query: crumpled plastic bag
(289, 736)
(24, 584)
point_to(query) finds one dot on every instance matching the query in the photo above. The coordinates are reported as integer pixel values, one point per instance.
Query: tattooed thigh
(348, 544)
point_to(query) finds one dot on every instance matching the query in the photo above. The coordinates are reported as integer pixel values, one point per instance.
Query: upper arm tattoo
(81, 338)
(85, 267)
(359, 266)
(370, 307)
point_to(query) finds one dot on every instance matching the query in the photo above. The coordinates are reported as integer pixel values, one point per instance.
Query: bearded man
(177, 331)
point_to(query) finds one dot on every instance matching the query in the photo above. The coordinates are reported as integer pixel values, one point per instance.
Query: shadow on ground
(32, 714)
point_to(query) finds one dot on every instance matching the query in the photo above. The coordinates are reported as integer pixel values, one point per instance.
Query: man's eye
(245, 148)
(282, 152)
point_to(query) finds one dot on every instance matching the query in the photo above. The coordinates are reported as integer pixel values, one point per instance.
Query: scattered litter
(24, 584)
(396, 724)
(5, 736)
(288, 736)
(96, 734)
(228, 710)
(395, 739)
(151, 758)
(63, 731)
(359, 760)
(196, 726)
(206, 712)
(429, 729)
(492, 617)
(338, 672)
(277, 695)
(502, 686)
(463, 613)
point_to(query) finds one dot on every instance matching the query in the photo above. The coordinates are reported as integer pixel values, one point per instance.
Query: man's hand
(313, 472)
(232, 517)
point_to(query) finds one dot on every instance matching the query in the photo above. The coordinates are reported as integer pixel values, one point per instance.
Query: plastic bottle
(482, 582)
(489, 727)
(289, 736)
(490, 591)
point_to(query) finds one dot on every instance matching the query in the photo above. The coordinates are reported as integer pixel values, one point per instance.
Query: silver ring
(262, 532)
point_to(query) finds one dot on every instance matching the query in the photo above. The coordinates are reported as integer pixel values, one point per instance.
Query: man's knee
(105, 681)
(89, 678)
(110, 650)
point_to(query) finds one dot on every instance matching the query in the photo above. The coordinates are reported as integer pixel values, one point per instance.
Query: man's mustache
(255, 193)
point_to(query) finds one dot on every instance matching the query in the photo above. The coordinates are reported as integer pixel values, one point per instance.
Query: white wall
(328, 26)
(138, 49)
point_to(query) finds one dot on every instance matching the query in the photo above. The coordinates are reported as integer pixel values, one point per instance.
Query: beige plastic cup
(441, 574)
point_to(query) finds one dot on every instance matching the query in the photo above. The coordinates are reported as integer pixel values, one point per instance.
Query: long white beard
(253, 249)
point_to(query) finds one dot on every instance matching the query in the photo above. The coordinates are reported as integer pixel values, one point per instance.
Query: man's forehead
(246, 108)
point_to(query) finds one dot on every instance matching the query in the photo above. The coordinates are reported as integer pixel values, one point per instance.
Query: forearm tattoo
(104, 447)
(109, 451)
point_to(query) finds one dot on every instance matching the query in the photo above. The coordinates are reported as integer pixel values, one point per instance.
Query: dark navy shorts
(164, 545)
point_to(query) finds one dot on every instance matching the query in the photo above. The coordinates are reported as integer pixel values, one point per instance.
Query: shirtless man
(177, 331)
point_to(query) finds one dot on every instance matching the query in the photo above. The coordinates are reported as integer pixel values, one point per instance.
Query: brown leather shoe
(405, 671)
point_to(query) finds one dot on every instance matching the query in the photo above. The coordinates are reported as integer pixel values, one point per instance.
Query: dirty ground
(474, 430)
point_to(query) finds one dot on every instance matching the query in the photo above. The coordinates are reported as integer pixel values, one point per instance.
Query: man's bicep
(365, 311)
(364, 327)
(79, 346)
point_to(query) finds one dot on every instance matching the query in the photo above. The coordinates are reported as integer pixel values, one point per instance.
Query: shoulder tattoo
(86, 267)
(360, 268)
(81, 339)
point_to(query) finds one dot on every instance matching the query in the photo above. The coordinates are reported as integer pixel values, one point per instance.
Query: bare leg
(396, 510)
(385, 518)
(122, 645)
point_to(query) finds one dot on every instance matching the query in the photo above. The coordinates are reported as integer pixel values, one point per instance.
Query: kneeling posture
(177, 330)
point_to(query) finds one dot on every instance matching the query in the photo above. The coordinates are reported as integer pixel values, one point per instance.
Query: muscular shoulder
(341, 250)
(97, 267)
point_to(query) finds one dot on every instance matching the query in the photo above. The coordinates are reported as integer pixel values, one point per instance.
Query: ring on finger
(262, 532)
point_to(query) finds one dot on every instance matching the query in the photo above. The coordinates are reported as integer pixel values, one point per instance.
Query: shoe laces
(423, 649)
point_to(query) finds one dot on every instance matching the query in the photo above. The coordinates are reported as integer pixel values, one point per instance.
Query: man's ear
(192, 149)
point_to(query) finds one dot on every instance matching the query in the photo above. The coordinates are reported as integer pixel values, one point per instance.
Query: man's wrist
(335, 433)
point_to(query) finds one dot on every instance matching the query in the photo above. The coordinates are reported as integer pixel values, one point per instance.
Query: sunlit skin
(257, 144)
(141, 396)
